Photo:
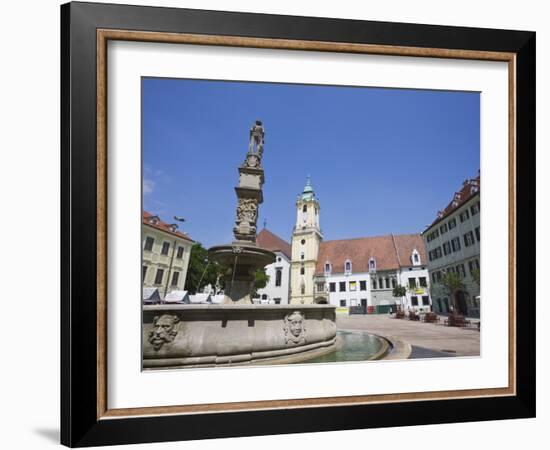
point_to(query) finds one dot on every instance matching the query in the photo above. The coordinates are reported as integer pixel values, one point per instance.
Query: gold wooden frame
(104, 35)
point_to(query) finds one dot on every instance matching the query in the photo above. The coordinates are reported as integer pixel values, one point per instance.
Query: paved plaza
(426, 339)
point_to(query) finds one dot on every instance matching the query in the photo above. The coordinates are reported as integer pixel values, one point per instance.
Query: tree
(399, 292)
(200, 272)
(260, 281)
(452, 283)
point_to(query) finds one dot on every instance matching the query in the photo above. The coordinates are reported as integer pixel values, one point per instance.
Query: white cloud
(148, 186)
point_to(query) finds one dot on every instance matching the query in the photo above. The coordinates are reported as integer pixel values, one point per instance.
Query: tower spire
(308, 193)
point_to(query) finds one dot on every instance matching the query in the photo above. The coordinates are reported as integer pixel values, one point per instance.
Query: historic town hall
(355, 273)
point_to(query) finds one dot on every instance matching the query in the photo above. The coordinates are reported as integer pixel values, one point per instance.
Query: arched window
(302, 288)
(304, 208)
(302, 270)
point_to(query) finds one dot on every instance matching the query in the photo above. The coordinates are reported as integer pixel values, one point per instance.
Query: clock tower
(306, 239)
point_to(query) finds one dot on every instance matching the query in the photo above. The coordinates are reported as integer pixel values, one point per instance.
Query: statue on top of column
(256, 144)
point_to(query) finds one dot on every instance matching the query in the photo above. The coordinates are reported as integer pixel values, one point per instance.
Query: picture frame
(86, 418)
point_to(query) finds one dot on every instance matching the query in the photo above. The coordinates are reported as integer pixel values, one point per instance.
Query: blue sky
(381, 160)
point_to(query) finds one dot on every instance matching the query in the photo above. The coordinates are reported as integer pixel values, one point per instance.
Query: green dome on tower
(308, 193)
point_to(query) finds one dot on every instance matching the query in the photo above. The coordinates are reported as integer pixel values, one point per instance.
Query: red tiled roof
(390, 252)
(163, 226)
(469, 189)
(266, 239)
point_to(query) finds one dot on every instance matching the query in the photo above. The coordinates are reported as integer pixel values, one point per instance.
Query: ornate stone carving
(295, 328)
(247, 211)
(165, 329)
(252, 161)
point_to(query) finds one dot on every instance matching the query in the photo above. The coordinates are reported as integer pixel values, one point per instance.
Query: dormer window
(347, 267)
(328, 268)
(173, 227)
(153, 220)
(473, 190)
(415, 257)
(372, 265)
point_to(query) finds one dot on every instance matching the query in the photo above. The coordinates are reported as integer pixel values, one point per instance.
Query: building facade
(453, 245)
(165, 255)
(277, 290)
(355, 274)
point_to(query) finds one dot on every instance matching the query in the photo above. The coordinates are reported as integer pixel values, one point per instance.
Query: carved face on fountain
(295, 327)
(165, 329)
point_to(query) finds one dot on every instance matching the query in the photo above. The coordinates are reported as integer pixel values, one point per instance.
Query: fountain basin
(241, 261)
(177, 336)
(246, 255)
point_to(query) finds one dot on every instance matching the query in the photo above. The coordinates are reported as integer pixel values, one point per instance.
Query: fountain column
(243, 257)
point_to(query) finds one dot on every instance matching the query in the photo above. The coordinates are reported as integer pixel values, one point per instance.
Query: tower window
(302, 271)
(304, 208)
(303, 241)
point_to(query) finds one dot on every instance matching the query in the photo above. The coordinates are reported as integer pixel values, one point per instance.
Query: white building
(355, 273)
(277, 290)
(453, 244)
(361, 273)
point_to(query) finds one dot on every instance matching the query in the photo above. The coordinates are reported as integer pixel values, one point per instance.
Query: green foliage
(399, 291)
(260, 281)
(452, 283)
(200, 272)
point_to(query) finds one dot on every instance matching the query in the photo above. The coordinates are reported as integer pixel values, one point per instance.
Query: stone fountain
(238, 332)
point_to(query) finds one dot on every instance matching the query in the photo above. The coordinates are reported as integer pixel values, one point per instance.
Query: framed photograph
(277, 224)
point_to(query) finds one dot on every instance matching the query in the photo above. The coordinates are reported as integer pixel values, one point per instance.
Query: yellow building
(165, 255)
(306, 238)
